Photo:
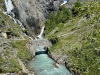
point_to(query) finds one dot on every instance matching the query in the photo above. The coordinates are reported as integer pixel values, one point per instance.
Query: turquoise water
(42, 65)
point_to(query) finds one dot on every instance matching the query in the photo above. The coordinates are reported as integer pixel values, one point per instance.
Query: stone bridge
(32, 45)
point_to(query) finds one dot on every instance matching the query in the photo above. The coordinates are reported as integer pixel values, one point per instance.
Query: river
(42, 64)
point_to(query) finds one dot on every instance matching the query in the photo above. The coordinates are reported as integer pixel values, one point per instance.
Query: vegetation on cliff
(2, 5)
(12, 45)
(78, 37)
(57, 20)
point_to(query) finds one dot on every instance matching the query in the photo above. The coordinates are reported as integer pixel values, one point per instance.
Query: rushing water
(64, 2)
(43, 65)
(41, 33)
(10, 7)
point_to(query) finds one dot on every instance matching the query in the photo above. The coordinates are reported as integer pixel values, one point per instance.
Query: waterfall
(41, 33)
(20, 24)
(65, 1)
(10, 7)
(43, 65)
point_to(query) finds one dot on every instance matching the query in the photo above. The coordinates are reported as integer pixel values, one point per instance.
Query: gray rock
(33, 13)
(32, 45)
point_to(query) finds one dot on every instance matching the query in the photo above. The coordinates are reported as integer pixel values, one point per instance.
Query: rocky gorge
(70, 31)
(33, 13)
(15, 41)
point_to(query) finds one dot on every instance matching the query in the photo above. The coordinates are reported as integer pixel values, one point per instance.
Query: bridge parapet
(32, 45)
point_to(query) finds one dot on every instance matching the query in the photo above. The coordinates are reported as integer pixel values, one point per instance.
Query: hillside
(74, 33)
(75, 36)
(12, 45)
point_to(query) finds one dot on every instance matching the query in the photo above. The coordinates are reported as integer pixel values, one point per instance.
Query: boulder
(55, 65)
(47, 51)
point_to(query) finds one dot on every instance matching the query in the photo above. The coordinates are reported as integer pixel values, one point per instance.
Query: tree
(75, 8)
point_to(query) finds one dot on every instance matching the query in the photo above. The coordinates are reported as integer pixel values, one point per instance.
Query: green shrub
(1, 1)
(3, 22)
(13, 33)
(75, 8)
(53, 40)
(24, 31)
(3, 6)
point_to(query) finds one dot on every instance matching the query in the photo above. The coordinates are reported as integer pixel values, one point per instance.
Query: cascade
(64, 2)
(20, 24)
(42, 64)
(41, 33)
(10, 7)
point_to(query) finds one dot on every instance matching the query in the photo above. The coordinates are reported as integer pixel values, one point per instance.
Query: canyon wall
(33, 13)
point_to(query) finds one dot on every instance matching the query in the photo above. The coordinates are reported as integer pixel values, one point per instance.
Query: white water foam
(10, 7)
(41, 33)
(63, 3)
(20, 24)
(43, 65)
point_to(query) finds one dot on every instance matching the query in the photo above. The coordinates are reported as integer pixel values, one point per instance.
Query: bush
(13, 33)
(1, 1)
(3, 22)
(24, 31)
(53, 40)
(3, 6)
(75, 8)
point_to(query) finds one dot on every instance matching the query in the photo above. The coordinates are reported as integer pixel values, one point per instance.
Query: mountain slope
(76, 43)
(12, 45)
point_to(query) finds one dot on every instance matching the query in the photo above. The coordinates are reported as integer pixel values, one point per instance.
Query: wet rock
(15, 10)
(46, 48)
(47, 51)
(54, 64)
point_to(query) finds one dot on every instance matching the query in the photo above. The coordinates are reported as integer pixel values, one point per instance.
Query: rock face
(32, 45)
(33, 13)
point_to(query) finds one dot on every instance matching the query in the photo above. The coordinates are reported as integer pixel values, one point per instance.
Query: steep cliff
(33, 13)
